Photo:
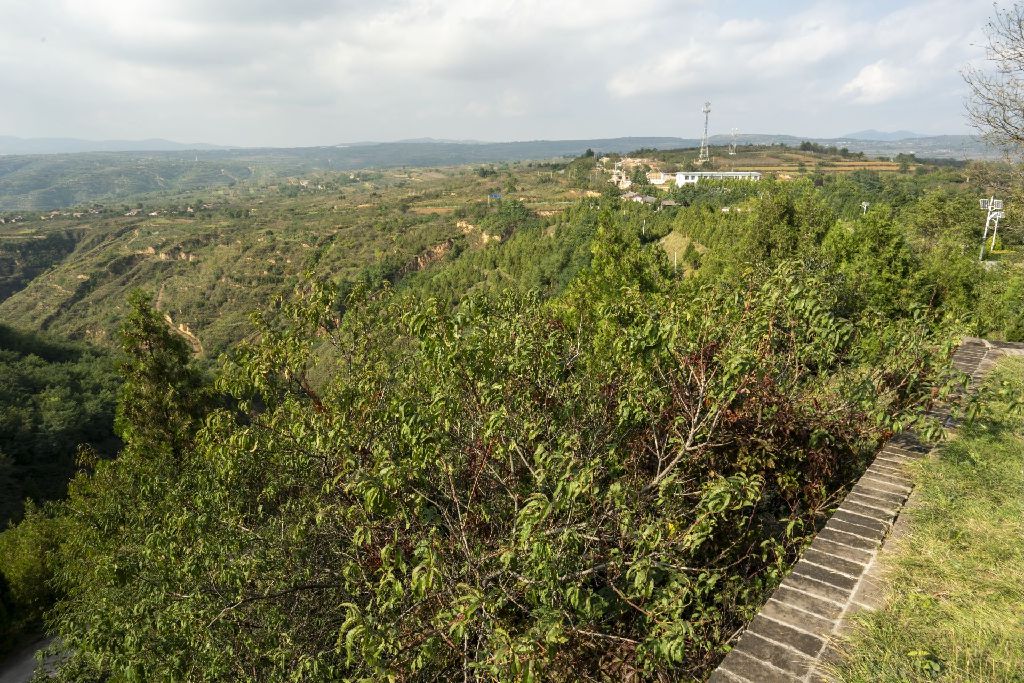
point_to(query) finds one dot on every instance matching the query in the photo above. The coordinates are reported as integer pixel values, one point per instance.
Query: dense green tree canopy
(54, 397)
(511, 489)
(552, 456)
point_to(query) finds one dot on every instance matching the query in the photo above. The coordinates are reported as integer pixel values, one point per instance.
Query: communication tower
(705, 156)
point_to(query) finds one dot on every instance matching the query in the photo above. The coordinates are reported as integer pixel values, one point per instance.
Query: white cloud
(744, 29)
(810, 39)
(876, 83)
(324, 71)
(740, 54)
(668, 71)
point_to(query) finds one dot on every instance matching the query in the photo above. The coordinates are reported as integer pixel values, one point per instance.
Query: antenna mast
(704, 155)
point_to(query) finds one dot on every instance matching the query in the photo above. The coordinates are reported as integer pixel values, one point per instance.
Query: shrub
(607, 483)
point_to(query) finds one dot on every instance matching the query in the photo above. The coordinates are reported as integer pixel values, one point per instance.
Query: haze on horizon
(268, 73)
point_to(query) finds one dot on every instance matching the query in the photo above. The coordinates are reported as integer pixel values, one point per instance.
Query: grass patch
(682, 250)
(956, 607)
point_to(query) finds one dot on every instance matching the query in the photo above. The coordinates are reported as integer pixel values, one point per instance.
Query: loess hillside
(49, 181)
(210, 259)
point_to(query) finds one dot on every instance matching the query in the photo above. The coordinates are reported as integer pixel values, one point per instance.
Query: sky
(316, 72)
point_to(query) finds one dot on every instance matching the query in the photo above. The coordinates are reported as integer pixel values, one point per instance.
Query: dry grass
(675, 245)
(432, 210)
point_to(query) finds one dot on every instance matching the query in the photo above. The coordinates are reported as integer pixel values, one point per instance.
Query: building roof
(721, 174)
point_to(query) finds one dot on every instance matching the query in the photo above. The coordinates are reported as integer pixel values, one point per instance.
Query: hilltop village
(624, 174)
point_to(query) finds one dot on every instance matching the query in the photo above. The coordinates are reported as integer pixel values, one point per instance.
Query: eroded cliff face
(185, 331)
(478, 236)
(24, 258)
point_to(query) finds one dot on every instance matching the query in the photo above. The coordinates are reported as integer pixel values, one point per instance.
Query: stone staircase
(838, 574)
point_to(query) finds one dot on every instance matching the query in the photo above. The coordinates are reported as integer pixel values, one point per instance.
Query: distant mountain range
(924, 147)
(883, 136)
(867, 141)
(52, 180)
(483, 150)
(13, 145)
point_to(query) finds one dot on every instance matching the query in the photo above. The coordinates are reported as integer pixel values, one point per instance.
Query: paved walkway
(838, 574)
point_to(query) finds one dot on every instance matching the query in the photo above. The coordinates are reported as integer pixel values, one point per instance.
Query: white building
(693, 177)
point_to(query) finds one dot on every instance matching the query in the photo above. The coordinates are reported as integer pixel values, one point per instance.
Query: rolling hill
(15, 145)
(35, 182)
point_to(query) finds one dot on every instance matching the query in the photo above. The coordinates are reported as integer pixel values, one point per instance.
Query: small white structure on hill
(619, 177)
(693, 177)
